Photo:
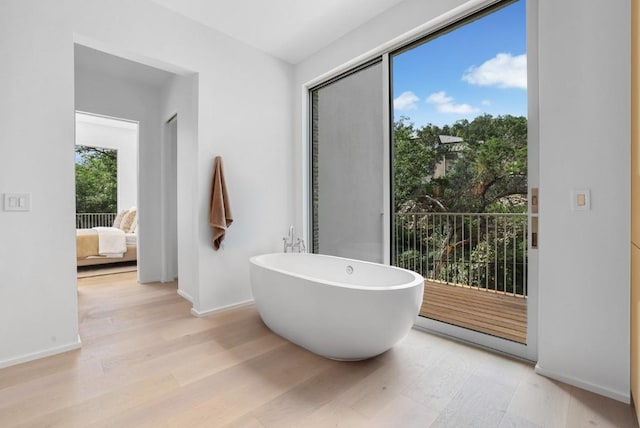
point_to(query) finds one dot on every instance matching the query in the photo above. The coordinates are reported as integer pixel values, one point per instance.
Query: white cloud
(445, 104)
(406, 101)
(439, 98)
(503, 71)
(486, 102)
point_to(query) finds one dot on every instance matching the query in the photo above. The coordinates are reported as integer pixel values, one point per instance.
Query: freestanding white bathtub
(339, 308)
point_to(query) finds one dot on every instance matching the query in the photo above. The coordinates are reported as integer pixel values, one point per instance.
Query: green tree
(488, 170)
(416, 154)
(467, 167)
(96, 180)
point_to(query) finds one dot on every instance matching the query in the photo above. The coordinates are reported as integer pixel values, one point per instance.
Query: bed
(87, 253)
(102, 245)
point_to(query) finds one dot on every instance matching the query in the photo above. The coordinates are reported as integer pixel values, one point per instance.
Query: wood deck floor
(485, 311)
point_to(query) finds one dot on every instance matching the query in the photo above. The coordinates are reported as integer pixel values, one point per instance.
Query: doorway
(113, 86)
(106, 194)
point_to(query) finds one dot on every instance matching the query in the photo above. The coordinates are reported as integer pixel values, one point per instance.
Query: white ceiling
(94, 119)
(93, 60)
(288, 29)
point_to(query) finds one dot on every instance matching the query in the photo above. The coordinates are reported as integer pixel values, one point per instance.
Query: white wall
(38, 298)
(123, 139)
(244, 113)
(180, 96)
(584, 143)
(107, 95)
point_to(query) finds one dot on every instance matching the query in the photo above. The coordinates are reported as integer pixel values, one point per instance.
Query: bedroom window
(96, 186)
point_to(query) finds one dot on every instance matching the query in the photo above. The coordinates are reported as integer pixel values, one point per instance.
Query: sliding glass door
(460, 176)
(426, 159)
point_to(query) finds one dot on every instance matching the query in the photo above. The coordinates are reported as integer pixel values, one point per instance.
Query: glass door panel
(460, 175)
(346, 164)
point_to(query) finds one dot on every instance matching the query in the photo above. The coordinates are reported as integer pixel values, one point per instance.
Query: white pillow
(129, 221)
(118, 220)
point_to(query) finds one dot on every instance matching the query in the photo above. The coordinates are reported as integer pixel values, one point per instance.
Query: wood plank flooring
(146, 362)
(488, 312)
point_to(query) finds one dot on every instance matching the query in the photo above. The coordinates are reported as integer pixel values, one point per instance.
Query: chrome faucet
(288, 243)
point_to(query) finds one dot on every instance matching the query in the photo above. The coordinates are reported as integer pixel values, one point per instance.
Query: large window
(96, 180)
(457, 187)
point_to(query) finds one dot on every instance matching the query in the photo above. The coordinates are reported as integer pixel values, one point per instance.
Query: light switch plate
(17, 202)
(581, 200)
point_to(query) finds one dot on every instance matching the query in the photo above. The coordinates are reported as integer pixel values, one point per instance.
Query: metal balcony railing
(487, 251)
(89, 220)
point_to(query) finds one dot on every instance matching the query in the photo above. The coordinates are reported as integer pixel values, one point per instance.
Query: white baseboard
(221, 309)
(185, 295)
(616, 395)
(42, 354)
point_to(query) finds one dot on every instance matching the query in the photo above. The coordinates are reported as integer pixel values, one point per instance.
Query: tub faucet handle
(300, 245)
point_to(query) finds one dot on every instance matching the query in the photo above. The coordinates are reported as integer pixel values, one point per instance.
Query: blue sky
(475, 69)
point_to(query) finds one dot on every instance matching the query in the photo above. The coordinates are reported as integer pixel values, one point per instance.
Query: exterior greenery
(478, 168)
(488, 169)
(96, 180)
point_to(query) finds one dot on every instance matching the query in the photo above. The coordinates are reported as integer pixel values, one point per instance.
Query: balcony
(474, 265)
(89, 220)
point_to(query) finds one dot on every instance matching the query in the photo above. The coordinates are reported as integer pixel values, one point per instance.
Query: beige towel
(220, 217)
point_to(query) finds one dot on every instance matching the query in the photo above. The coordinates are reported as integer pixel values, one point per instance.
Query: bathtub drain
(349, 269)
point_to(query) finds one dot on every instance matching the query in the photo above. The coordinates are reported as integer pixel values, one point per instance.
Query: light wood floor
(485, 311)
(147, 362)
